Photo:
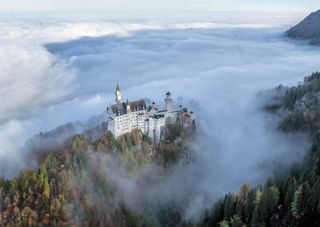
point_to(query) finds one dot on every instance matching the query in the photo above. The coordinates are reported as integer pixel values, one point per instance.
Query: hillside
(84, 181)
(293, 200)
(308, 29)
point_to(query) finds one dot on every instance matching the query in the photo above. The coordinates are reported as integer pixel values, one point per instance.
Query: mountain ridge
(308, 29)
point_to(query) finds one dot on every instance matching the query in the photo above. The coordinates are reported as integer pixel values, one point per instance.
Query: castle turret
(118, 95)
(169, 102)
(128, 106)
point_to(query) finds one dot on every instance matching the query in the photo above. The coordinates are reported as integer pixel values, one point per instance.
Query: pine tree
(229, 206)
(257, 219)
(300, 200)
(46, 188)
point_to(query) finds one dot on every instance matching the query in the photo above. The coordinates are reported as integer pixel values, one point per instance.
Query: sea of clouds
(56, 69)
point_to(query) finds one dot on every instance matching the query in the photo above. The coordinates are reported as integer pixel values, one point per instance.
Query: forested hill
(90, 181)
(308, 29)
(295, 200)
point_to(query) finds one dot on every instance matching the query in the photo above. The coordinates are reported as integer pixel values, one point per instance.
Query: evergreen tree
(229, 206)
(300, 200)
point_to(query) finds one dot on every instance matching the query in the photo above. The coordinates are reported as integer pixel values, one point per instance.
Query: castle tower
(118, 95)
(169, 102)
(128, 106)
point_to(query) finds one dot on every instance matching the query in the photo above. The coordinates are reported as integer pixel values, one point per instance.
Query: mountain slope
(308, 29)
(284, 201)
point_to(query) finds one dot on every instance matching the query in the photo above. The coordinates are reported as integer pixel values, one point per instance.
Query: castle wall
(127, 122)
(155, 128)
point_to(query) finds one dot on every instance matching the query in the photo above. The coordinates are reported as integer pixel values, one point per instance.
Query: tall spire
(118, 87)
(118, 94)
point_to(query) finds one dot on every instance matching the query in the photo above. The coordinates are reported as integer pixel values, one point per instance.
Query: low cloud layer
(50, 75)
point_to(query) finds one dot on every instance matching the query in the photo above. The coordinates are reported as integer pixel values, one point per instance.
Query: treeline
(294, 95)
(294, 201)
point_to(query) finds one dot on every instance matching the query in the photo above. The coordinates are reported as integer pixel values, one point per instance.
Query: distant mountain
(308, 29)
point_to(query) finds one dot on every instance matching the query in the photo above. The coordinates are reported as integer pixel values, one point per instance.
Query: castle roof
(158, 116)
(121, 109)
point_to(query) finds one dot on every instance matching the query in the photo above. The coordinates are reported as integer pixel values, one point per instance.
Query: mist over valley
(221, 68)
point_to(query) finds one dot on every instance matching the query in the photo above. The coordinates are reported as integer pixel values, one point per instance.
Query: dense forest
(76, 184)
(72, 186)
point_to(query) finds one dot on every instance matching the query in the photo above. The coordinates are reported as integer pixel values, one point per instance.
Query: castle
(123, 117)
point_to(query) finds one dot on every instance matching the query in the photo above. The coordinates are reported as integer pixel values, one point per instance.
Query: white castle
(123, 117)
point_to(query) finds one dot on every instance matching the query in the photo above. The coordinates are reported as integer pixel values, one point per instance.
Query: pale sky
(159, 5)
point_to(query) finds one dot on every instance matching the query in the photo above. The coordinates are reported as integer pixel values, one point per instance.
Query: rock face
(308, 29)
